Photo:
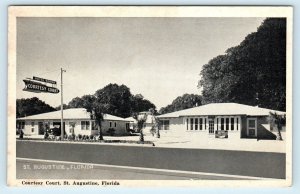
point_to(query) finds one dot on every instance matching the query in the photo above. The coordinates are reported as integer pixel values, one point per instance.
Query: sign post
(34, 85)
(62, 103)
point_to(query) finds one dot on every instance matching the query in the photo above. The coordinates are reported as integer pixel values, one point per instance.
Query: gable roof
(221, 109)
(72, 113)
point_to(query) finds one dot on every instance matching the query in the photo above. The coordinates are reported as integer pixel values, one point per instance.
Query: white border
(146, 11)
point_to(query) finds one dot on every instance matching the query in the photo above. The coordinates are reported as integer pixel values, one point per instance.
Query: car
(55, 131)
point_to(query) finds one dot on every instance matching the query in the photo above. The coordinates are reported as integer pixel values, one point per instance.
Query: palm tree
(141, 119)
(278, 121)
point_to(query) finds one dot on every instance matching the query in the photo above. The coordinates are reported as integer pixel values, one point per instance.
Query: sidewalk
(203, 141)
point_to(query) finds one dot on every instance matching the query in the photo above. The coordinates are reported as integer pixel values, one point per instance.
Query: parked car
(55, 131)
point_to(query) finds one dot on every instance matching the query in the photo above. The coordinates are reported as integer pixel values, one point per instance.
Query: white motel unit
(76, 120)
(241, 121)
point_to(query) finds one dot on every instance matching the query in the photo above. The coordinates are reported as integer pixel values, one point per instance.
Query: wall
(77, 128)
(178, 127)
(28, 128)
(120, 127)
(263, 128)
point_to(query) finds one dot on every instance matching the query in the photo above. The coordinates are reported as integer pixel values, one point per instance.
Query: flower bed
(58, 139)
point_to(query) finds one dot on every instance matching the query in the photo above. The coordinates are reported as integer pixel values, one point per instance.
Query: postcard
(150, 96)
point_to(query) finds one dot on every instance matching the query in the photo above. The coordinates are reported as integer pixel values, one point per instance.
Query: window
(32, 127)
(192, 123)
(187, 124)
(201, 121)
(237, 123)
(205, 123)
(115, 124)
(217, 124)
(232, 123)
(251, 123)
(85, 125)
(222, 124)
(71, 127)
(165, 124)
(110, 124)
(196, 124)
(227, 124)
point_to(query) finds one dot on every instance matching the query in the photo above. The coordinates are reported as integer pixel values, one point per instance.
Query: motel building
(240, 121)
(76, 120)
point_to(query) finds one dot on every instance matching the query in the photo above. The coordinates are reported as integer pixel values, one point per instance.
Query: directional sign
(32, 86)
(44, 80)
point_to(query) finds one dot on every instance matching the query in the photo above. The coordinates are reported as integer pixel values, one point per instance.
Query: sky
(160, 58)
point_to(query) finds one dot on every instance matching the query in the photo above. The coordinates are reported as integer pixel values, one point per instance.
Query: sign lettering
(32, 86)
(44, 80)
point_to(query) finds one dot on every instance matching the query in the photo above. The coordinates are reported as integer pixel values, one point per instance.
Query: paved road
(256, 164)
(62, 170)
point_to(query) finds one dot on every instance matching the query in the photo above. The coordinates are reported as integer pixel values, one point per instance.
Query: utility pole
(62, 103)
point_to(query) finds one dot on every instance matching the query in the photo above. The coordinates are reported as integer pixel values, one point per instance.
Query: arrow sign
(36, 87)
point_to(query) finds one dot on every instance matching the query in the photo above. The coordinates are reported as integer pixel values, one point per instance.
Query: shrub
(71, 137)
(79, 136)
(84, 137)
(91, 137)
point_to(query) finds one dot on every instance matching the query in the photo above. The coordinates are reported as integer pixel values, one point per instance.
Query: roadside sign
(32, 86)
(44, 80)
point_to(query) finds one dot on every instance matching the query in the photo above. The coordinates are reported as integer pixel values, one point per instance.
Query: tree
(182, 102)
(118, 99)
(76, 103)
(277, 121)
(139, 103)
(97, 111)
(253, 72)
(64, 107)
(155, 124)
(141, 119)
(31, 106)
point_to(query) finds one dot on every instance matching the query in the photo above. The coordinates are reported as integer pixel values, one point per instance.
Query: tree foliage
(117, 99)
(31, 106)
(253, 72)
(182, 102)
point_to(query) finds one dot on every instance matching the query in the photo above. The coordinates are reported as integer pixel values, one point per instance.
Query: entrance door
(211, 126)
(252, 127)
(41, 128)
